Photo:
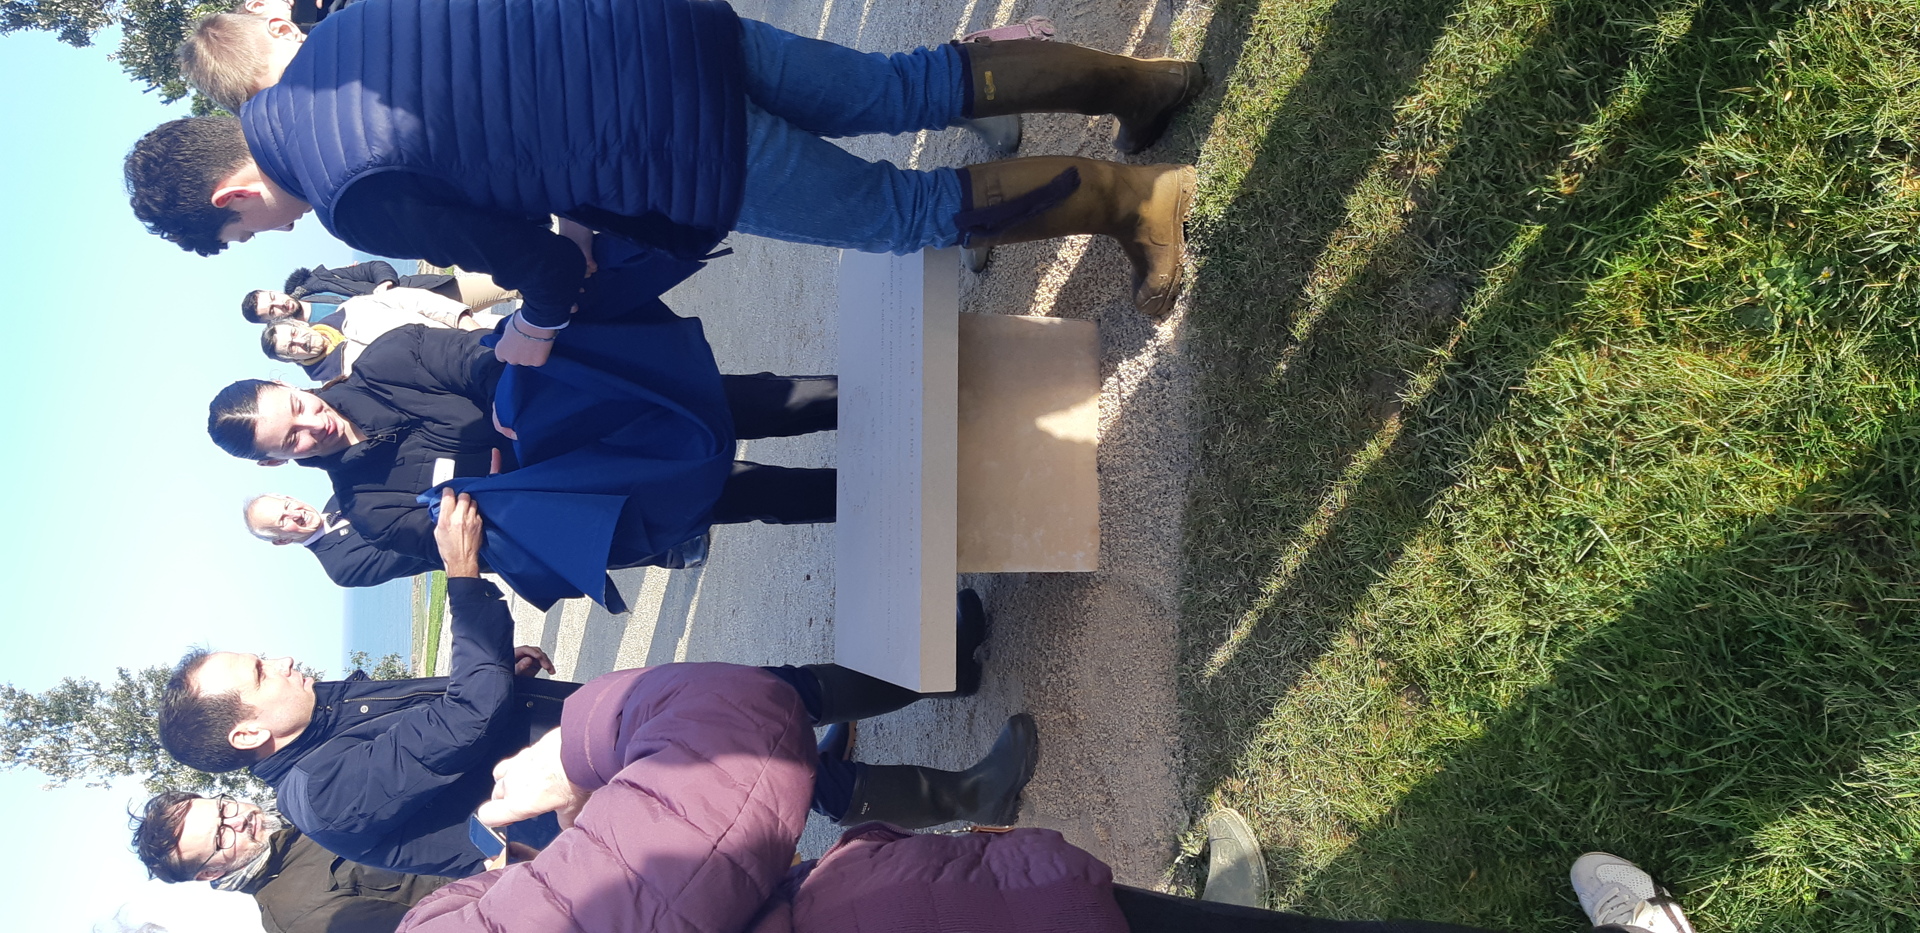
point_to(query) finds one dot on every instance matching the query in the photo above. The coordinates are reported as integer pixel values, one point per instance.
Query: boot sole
(1136, 143)
(1007, 810)
(1161, 305)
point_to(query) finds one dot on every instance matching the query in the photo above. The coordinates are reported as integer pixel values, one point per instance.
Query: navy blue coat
(592, 109)
(388, 771)
(626, 427)
(351, 560)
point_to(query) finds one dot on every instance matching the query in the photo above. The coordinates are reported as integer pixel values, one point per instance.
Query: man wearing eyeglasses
(300, 887)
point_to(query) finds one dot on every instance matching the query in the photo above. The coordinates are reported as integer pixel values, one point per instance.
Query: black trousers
(1153, 912)
(766, 405)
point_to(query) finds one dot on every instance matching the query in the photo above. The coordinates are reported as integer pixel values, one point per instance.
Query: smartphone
(491, 842)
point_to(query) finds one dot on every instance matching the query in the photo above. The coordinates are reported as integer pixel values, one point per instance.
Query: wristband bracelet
(515, 323)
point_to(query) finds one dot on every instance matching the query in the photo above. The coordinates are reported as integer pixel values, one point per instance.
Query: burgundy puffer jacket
(702, 775)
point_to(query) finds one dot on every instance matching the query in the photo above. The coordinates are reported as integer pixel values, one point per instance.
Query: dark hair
(156, 835)
(172, 173)
(250, 306)
(193, 728)
(231, 418)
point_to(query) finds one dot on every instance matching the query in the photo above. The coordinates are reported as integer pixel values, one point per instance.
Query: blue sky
(126, 547)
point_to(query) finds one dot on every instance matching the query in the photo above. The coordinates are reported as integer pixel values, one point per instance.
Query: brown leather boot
(1141, 206)
(1032, 76)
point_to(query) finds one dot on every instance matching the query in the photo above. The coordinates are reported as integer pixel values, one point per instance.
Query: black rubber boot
(912, 797)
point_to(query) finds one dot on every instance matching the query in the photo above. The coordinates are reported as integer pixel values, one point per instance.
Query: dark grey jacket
(306, 889)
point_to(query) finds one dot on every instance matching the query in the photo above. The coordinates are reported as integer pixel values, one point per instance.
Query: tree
(150, 31)
(83, 729)
(389, 667)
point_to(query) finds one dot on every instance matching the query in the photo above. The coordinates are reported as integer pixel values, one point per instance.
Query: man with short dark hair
(448, 130)
(381, 772)
(327, 350)
(266, 306)
(237, 846)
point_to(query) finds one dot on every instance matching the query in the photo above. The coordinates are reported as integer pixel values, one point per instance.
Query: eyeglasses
(224, 835)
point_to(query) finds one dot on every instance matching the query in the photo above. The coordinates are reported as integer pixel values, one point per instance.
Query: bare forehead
(268, 506)
(225, 670)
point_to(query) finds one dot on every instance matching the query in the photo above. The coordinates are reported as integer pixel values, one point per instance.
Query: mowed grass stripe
(1559, 453)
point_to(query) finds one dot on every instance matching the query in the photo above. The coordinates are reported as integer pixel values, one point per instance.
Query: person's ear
(253, 6)
(225, 195)
(281, 542)
(280, 27)
(249, 735)
(208, 874)
(269, 461)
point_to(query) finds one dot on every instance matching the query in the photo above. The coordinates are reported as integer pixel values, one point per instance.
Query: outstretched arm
(354, 561)
(374, 786)
(408, 214)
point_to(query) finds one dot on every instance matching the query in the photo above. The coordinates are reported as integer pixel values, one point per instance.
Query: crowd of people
(579, 158)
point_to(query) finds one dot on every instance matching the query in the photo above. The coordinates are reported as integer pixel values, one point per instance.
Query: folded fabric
(623, 432)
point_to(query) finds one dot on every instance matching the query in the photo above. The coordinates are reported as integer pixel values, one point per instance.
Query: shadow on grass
(1708, 731)
(1273, 455)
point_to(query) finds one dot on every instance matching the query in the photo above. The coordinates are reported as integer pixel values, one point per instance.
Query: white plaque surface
(894, 553)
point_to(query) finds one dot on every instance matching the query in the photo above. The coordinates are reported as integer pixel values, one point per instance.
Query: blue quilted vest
(575, 107)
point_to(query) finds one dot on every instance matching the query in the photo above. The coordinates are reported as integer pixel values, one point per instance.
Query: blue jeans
(803, 189)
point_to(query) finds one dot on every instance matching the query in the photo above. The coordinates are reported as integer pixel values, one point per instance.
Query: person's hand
(531, 783)
(523, 344)
(458, 534)
(505, 432)
(383, 286)
(529, 658)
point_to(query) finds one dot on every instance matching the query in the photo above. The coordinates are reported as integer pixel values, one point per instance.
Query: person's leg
(913, 797)
(1153, 912)
(803, 189)
(766, 405)
(828, 89)
(474, 290)
(834, 694)
(776, 495)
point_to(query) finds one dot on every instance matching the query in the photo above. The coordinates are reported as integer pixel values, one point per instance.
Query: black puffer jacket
(355, 280)
(420, 395)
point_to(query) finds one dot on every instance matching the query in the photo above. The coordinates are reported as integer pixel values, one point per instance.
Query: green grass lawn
(429, 610)
(1559, 453)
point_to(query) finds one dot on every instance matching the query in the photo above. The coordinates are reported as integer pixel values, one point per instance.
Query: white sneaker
(1236, 872)
(1613, 890)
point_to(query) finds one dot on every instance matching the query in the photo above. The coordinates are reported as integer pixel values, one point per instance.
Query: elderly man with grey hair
(351, 560)
(348, 558)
